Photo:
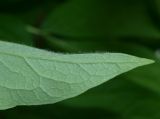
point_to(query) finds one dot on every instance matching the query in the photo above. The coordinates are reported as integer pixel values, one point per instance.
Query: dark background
(79, 26)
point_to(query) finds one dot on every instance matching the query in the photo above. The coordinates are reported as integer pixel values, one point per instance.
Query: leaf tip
(147, 61)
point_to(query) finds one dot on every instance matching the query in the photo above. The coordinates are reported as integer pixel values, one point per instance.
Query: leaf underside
(30, 76)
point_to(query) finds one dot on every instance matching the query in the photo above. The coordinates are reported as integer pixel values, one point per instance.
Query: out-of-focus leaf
(149, 78)
(102, 18)
(31, 76)
(65, 45)
(122, 96)
(156, 5)
(58, 112)
(14, 30)
(92, 45)
(40, 10)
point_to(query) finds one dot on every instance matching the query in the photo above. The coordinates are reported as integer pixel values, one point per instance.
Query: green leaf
(32, 76)
(134, 95)
(37, 11)
(104, 18)
(122, 96)
(60, 112)
(14, 30)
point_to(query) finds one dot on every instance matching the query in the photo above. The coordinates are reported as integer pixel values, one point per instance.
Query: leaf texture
(30, 76)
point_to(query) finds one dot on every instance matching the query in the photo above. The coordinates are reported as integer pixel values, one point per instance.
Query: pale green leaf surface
(30, 76)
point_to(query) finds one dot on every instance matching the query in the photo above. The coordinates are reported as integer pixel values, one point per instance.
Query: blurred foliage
(128, 26)
(13, 29)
